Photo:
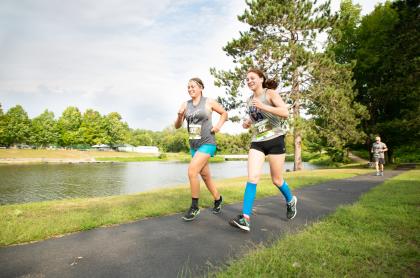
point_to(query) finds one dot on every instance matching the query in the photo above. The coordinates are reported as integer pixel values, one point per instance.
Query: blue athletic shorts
(206, 148)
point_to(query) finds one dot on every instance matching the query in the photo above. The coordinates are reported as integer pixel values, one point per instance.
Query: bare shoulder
(274, 97)
(272, 94)
(211, 102)
(184, 104)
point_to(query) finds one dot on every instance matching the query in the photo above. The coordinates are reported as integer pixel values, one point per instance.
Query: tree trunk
(297, 133)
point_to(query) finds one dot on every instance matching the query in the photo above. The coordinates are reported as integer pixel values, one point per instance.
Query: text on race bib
(263, 129)
(194, 131)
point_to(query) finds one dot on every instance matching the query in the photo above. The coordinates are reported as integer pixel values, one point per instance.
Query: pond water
(40, 182)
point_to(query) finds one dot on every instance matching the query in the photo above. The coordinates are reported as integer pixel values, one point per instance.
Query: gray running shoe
(218, 205)
(241, 223)
(382, 173)
(291, 208)
(191, 214)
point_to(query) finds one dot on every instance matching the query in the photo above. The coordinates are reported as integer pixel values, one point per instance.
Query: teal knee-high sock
(285, 190)
(249, 197)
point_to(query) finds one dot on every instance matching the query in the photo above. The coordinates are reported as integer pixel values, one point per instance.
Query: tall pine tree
(281, 41)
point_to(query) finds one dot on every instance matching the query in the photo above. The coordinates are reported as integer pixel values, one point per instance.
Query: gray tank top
(265, 125)
(199, 124)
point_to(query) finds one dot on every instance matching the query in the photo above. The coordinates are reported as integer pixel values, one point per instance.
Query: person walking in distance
(378, 150)
(267, 116)
(198, 113)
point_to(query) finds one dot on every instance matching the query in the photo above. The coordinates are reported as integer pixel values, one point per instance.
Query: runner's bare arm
(181, 115)
(217, 107)
(279, 108)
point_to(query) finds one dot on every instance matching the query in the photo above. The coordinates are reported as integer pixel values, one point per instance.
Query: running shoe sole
(217, 211)
(237, 225)
(295, 209)
(190, 219)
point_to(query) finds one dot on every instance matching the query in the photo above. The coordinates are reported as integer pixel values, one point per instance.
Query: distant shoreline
(47, 160)
(18, 156)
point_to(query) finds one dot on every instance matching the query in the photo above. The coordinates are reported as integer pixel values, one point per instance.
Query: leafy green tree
(69, 125)
(141, 137)
(17, 126)
(336, 117)
(280, 41)
(93, 129)
(174, 140)
(2, 127)
(44, 130)
(116, 130)
(387, 72)
(233, 144)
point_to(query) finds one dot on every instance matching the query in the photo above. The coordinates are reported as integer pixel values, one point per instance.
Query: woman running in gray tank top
(267, 118)
(197, 111)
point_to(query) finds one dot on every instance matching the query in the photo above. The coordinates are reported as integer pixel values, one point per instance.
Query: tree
(387, 72)
(44, 130)
(343, 40)
(336, 117)
(117, 131)
(174, 140)
(92, 128)
(281, 42)
(233, 144)
(17, 126)
(141, 137)
(2, 127)
(68, 125)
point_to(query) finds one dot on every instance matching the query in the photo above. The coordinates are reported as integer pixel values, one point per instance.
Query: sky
(125, 56)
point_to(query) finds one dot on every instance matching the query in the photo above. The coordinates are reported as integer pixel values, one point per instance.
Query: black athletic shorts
(272, 146)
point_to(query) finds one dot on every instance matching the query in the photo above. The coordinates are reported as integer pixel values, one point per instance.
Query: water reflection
(29, 183)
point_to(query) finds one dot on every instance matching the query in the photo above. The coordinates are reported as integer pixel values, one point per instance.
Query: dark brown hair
(267, 83)
(198, 81)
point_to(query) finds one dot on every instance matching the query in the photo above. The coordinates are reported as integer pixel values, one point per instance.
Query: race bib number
(194, 131)
(263, 129)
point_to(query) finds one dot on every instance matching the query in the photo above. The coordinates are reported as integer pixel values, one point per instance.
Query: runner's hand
(257, 103)
(246, 123)
(181, 113)
(215, 129)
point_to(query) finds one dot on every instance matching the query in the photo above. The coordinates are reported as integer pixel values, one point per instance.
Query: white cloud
(132, 57)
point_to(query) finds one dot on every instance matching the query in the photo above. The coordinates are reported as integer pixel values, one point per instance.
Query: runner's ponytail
(270, 84)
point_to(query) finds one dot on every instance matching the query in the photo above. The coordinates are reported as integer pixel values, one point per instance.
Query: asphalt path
(169, 247)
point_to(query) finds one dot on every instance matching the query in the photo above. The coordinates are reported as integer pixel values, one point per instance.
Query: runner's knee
(277, 180)
(254, 178)
(192, 171)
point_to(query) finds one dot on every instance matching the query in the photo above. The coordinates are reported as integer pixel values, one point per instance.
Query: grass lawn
(36, 221)
(377, 237)
(63, 154)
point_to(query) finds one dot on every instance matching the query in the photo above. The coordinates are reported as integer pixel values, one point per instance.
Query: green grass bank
(376, 237)
(36, 221)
